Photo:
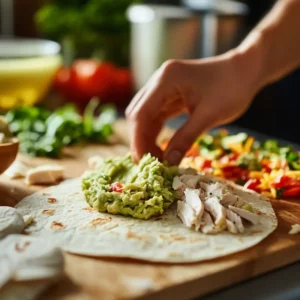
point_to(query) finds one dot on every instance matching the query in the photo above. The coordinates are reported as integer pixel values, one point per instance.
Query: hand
(212, 91)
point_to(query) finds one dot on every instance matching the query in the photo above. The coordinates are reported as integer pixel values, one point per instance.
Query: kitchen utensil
(162, 32)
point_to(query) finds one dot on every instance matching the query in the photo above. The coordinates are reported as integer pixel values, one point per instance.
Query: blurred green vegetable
(45, 133)
(102, 25)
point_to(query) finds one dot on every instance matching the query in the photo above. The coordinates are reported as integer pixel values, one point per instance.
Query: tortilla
(64, 218)
(10, 221)
(29, 258)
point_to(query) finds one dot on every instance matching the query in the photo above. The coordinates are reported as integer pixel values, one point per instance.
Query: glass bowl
(27, 69)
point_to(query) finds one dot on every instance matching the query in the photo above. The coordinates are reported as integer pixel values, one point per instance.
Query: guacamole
(140, 190)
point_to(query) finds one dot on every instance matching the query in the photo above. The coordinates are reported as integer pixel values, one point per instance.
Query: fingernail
(174, 157)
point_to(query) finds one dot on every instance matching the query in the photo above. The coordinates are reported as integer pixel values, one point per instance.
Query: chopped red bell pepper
(291, 192)
(252, 184)
(285, 181)
(116, 187)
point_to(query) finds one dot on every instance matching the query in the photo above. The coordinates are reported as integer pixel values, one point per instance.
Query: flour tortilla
(10, 221)
(62, 216)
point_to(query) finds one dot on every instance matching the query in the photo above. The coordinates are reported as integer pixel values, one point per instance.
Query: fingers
(186, 135)
(144, 125)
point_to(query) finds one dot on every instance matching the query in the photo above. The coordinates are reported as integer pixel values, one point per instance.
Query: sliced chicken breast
(213, 190)
(231, 227)
(229, 199)
(208, 226)
(186, 214)
(218, 212)
(236, 220)
(190, 181)
(245, 214)
(193, 200)
(177, 183)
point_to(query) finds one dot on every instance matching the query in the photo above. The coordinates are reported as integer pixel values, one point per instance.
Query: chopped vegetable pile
(44, 133)
(266, 167)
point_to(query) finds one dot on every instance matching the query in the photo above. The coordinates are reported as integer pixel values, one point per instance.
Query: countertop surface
(276, 285)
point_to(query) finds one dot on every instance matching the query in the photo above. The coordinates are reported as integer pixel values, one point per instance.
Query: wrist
(249, 60)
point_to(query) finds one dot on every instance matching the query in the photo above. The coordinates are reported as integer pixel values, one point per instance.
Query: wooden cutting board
(108, 279)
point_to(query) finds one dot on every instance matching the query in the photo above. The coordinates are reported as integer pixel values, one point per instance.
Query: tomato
(233, 171)
(64, 85)
(193, 151)
(252, 184)
(123, 86)
(93, 78)
(207, 164)
(292, 192)
(116, 187)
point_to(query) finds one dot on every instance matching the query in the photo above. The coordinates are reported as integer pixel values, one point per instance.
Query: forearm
(272, 49)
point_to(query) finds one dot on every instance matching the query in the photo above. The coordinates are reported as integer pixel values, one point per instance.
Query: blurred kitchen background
(109, 48)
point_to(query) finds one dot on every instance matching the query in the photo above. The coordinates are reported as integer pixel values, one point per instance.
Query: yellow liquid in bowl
(25, 81)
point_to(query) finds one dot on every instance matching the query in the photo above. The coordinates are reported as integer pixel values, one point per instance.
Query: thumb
(185, 137)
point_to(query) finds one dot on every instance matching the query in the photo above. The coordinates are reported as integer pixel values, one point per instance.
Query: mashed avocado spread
(140, 190)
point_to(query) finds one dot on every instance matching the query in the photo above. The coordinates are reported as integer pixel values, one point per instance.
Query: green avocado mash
(145, 190)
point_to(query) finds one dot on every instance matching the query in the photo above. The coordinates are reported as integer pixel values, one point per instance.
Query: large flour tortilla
(62, 215)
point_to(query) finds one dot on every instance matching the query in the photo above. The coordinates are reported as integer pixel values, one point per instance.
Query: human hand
(212, 91)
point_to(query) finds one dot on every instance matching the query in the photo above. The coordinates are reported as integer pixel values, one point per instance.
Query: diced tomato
(235, 172)
(252, 184)
(291, 192)
(193, 151)
(116, 187)
(207, 164)
(266, 164)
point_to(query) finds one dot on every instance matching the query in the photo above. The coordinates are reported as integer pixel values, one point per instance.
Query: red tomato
(291, 192)
(93, 78)
(252, 184)
(116, 187)
(65, 86)
(207, 164)
(235, 172)
(123, 86)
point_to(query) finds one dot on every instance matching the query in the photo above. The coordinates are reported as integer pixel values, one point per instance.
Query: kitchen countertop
(280, 284)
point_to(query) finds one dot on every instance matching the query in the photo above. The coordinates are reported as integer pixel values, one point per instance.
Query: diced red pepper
(291, 192)
(252, 184)
(116, 187)
(285, 181)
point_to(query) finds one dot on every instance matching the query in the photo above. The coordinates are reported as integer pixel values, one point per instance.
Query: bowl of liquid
(27, 69)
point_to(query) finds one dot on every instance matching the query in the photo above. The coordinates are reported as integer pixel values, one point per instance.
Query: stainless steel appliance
(200, 28)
